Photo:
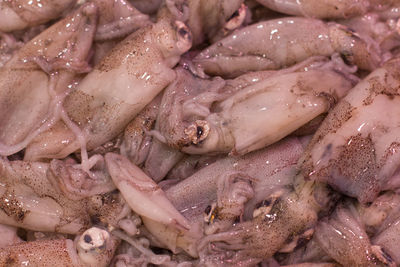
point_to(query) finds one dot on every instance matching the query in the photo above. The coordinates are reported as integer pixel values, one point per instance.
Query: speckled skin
(59, 252)
(25, 93)
(103, 105)
(355, 150)
(260, 238)
(30, 198)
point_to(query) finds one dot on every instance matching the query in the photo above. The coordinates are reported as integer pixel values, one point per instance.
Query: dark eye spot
(199, 132)
(347, 57)
(183, 32)
(235, 14)
(207, 209)
(264, 203)
(87, 238)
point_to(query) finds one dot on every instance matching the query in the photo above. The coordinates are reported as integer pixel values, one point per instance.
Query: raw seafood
(279, 43)
(142, 60)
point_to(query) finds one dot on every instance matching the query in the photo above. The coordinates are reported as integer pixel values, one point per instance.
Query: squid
(326, 9)
(343, 238)
(37, 196)
(282, 220)
(355, 150)
(8, 236)
(8, 47)
(94, 248)
(265, 112)
(204, 197)
(269, 169)
(101, 106)
(149, 201)
(38, 76)
(279, 43)
(388, 239)
(20, 14)
(160, 160)
(381, 218)
(142, 194)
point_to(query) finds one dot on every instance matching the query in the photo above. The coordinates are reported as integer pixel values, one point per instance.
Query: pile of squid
(199, 133)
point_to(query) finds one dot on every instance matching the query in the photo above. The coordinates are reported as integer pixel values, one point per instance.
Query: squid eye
(183, 31)
(87, 238)
(198, 131)
(184, 36)
(264, 203)
(235, 14)
(207, 210)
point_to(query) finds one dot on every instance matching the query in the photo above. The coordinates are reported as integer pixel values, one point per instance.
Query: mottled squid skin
(20, 14)
(287, 217)
(279, 43)
(103, 105)
(355, 150)
(30, 198)
(63, 252)
(43, 68)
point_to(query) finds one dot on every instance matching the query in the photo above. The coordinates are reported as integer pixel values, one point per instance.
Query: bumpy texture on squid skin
(31, 200)
(28, 94)
(20, 14)
(321, 9)
(117, 19)
(343, 237)
(278, 43)
(95, 248)
(265, 112)
(247, 243)
(355, 149)
(102, 105)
